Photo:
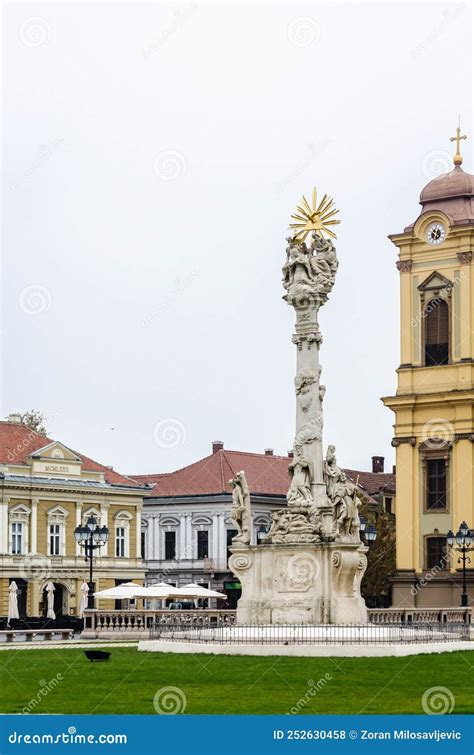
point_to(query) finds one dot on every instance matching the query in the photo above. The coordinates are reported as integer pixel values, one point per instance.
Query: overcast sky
(152, 156)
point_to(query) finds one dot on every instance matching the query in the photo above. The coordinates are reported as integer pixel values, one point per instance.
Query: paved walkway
(73, 644)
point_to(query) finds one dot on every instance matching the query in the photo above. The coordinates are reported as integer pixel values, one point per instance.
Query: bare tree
(35, 420)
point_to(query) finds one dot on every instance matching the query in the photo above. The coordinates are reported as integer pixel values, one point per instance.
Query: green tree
(381, 555)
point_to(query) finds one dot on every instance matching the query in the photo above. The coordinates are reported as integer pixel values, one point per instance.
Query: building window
(54, 539)
(202, 544)
(388, 503)
(230, 535)
(436, 333)
(436, 488)
(170, 545)
(120, 542)
(143, 543)
(17, 538)
(436, 553)
(122, 526)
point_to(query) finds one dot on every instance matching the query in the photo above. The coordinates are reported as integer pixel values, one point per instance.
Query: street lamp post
(90, 536)
(261, 533)
(462, 542)
(368, 531)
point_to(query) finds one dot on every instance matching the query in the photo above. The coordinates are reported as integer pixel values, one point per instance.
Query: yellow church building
(434, 401)
(46, 491)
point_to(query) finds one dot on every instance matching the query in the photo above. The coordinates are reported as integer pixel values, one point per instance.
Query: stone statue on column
(241, 512)
(342, 494)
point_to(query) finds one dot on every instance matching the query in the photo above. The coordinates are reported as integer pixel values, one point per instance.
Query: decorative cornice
(404, 266)
(464, 258)
(314, 336)
(398, 441)
(464, 436)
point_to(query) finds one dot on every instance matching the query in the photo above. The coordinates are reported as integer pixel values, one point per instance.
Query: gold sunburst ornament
(315, 218)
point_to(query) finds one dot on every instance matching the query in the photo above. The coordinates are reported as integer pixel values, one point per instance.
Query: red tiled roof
(373, 482)
(266, 475)
(18, 442)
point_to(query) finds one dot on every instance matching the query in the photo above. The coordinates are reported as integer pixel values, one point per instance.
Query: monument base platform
(300, 583)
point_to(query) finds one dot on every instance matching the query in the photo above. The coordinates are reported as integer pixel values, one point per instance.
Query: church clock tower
(434, 402)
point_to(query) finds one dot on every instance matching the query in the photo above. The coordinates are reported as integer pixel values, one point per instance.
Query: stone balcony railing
(419, 615)
(135, 624)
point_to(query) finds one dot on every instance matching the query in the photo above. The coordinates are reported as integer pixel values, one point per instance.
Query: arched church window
(436, 332)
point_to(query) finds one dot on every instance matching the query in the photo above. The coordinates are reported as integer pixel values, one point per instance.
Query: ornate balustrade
(135, 624)
(419, 615)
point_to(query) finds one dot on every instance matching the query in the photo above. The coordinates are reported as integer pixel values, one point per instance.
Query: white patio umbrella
(127, 591)
(13, 602)
(194, 590)
(50, 590)
(159, 590)
(84, 596)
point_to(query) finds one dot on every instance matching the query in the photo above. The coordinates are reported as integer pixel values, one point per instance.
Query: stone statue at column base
(295, 525)
(241, 512)
(300, 521)
(342, 494)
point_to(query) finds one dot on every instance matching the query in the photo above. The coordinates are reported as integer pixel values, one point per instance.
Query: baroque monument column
(310, 565)
(309, 274)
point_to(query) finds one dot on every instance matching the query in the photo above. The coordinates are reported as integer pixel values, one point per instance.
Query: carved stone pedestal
(304, 583)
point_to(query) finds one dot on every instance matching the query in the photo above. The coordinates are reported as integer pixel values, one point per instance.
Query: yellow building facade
(434, 401)
(47, 490)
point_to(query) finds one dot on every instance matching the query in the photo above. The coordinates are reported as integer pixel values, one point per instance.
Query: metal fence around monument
(307, 634)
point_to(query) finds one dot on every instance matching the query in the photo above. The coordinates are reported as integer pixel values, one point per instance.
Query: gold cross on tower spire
(457, 159)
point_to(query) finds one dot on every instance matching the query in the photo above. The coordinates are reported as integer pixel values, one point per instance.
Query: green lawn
(128, 682)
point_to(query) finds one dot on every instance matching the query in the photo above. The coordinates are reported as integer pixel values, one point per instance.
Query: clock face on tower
(436, 233)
